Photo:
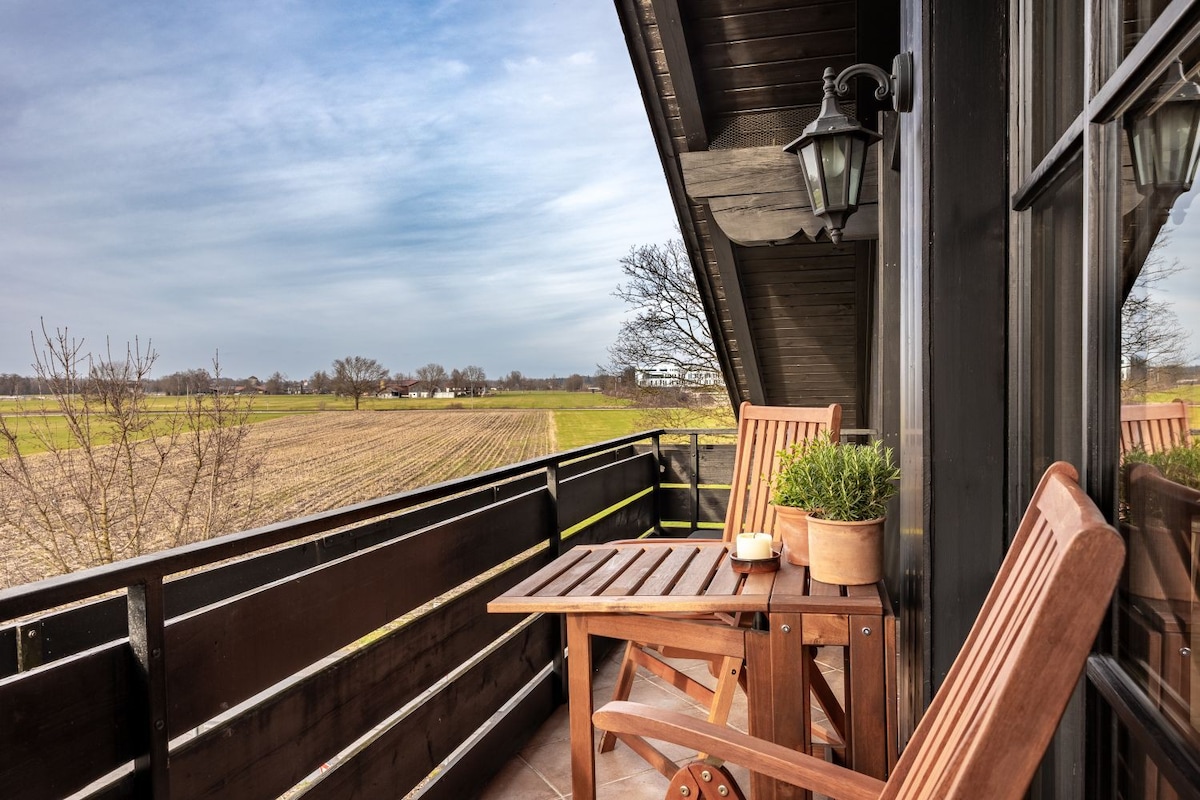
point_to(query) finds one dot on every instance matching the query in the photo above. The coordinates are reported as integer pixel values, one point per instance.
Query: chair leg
(621, 692)
(703, 781)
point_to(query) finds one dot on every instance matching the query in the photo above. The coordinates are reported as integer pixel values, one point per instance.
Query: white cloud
(450, 180)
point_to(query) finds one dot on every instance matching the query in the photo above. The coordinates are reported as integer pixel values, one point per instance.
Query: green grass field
(575, 428)
(1189, 394)
(580, 418)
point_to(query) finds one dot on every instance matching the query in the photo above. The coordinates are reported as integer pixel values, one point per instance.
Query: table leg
(866, 694)
(579, 688)
(790, 692)
(758, 694)
(779, 709)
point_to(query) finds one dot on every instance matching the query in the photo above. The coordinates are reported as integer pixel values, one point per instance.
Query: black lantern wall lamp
(833, 148)
(1165, 139)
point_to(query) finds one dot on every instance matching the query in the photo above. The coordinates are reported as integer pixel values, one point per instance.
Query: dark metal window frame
(1090, 143)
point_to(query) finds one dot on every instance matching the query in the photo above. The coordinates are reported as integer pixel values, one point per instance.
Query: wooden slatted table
(617, 589)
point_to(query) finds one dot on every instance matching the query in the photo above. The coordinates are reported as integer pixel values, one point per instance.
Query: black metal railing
(346, 649)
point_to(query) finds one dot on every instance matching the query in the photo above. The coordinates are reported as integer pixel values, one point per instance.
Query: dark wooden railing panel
(8, 651)
(67, 724)
(272, 746)
(494, 746)
(67, 632)
(221, 656)
(716, 464)
(627, 522)
(398, 759)
(236, 630)
(676, 504)
(586, 495)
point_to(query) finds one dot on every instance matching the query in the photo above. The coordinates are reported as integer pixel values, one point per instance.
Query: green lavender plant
(842, 482)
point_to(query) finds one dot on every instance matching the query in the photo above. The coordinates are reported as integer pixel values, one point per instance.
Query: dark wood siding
(803, 304)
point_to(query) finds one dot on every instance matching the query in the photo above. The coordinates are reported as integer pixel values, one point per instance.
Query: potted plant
(792, 493)
(850, 486)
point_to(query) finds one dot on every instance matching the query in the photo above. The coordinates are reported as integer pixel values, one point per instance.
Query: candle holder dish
(745, 566)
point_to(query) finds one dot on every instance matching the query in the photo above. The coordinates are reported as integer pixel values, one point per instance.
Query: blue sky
(294, 182)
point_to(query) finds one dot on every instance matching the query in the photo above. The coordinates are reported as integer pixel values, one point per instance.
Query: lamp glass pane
(1143, 167)
(1173, 126)
(858, 161)
(812, 176)
(833, 162)
(1193, 148)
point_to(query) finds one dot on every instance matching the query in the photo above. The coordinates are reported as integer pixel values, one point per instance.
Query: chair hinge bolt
(685, 791)
(723, 790)
(866, 631)
(786, 629)
(706, 776)
(1185, 651)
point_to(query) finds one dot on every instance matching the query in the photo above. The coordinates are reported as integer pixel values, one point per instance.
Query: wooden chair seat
(989, 724)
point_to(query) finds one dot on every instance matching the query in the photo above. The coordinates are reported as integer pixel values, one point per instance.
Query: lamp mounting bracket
(897, 84)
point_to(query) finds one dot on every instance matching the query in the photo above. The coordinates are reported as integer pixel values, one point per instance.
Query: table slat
(546, 574)
(668, 572)
(599, 580)
(638, 571)
(579, 571)
(699, 573)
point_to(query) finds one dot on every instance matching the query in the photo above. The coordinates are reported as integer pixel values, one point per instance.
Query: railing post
(695, 441)
(656, 491)
(555, 546)
(556, 534)
(146, 637)
(30, 646)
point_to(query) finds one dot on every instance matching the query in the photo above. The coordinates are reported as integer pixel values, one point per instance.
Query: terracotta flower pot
(849, 553)
(791, 526)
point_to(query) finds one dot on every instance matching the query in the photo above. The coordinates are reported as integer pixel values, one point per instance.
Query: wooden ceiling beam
(679, 66)
(757, 196)
(738, 314)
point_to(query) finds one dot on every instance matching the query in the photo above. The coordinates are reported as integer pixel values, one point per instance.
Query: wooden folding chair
(763, 431)
(988, 727)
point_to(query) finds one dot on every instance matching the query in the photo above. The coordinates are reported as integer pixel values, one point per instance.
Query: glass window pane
(1056, 328)
(1136, 18)
(1057, 71)
(1159, 481)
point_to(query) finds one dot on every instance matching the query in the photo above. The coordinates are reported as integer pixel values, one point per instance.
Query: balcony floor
(542, 770)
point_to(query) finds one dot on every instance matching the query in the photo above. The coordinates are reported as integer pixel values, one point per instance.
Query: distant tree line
(369, 376)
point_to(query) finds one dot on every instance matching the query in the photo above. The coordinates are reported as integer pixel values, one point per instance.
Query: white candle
(753, 546)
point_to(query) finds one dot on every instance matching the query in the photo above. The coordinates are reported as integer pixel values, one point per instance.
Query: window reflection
(1136, 18)
(1056, 327)
(1160, 438)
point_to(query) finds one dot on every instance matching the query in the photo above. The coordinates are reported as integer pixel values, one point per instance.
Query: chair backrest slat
(1154, 427)
(762, 432)
(986, 730)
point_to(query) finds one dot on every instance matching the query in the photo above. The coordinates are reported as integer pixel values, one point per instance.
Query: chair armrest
(734, 746)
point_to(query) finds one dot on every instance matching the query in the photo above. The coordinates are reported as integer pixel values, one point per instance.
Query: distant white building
(666, 376)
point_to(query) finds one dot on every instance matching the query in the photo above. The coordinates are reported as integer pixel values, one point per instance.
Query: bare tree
(115, 478)
(276, 383)
(356, 376)
(668, 326)
(1153, 341)
(475, 379)
(192, 381)
(320, 382)
(514, 381)
(432, 377)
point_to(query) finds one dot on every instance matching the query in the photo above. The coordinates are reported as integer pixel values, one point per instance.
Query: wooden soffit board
(757, 195)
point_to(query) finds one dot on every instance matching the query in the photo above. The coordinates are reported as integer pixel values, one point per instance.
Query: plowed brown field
(317, 462)
(321, 461)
